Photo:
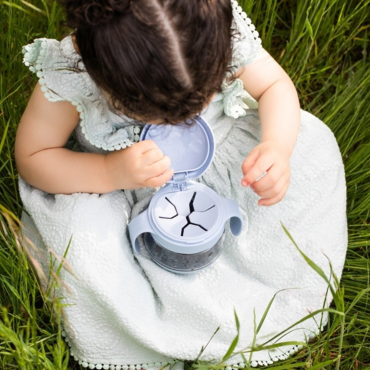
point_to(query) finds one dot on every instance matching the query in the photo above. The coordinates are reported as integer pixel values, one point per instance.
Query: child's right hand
(141, 165)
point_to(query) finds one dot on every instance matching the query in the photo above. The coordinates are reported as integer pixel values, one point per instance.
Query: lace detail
(246, 46)
(55, 64)
(100, 366)
(247, 43)
(170, 364)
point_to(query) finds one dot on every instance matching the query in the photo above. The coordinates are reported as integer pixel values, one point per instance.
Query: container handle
(139, 225)
(236, 219)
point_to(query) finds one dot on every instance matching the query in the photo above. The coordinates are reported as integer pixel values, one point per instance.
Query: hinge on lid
(179, 181)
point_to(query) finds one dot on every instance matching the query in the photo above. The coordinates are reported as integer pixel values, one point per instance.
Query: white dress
(124, 310)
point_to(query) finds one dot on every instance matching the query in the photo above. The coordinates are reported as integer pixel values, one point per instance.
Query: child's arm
(279, 112)
(43, 162)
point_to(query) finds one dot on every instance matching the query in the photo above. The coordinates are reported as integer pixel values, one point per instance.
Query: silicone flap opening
(186, 214)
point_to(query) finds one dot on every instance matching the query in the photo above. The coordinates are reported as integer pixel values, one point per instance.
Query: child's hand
(271, 158)
(141, 165)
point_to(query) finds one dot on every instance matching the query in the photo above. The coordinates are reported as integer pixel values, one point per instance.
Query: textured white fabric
(125, 310)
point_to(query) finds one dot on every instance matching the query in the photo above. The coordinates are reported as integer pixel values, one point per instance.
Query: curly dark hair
(157, 59)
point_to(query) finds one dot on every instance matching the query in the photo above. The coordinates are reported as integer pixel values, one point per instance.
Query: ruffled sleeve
(246, 42)
(246, 46)
(63, 78)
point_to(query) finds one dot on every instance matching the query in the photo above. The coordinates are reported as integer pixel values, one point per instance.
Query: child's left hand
(271, 158)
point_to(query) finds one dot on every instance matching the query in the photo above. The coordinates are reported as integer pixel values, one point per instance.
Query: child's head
(157, 59)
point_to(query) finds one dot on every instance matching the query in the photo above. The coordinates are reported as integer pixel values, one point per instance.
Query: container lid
(190, 146)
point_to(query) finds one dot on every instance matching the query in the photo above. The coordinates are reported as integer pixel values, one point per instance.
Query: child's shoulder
(50, 53)
(58, 67)
(63, 77)
(246, 41)
(38, 47)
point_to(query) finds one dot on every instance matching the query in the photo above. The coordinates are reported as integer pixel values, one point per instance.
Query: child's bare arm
(278, 102)
(279, 112)
(43, 162)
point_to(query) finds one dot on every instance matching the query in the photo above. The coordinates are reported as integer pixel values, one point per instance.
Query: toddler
(129, 63)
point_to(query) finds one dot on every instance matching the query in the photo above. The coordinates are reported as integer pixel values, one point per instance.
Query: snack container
(185, 221)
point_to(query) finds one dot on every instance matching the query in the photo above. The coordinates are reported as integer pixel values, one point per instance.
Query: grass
(324, 46)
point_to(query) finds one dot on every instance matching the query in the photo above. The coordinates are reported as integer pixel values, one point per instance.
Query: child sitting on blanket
(162, 62)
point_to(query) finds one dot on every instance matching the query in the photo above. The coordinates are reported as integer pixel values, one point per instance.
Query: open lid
(190, 146)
